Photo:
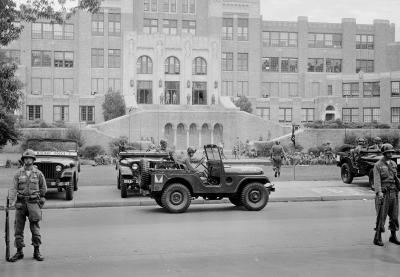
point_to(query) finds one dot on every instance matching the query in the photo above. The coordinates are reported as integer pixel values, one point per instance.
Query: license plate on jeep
(128, 181)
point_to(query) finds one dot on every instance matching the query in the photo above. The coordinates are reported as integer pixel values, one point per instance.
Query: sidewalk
(286, 191)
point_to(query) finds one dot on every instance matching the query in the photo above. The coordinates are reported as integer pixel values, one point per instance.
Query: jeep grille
(48, 170)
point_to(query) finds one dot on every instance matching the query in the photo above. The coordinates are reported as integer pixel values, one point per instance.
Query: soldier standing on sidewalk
(27, 195)
(386, 186)
(277, 154)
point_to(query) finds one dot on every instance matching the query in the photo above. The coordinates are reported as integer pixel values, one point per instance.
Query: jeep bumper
(270, 187)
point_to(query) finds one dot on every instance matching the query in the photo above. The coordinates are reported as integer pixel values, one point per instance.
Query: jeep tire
(254, 196)
(75, 184)
(235, 200)
(69, 190)
(119, 181)
(145, 174)
(124, 189)
(176, 198)
(346, 174)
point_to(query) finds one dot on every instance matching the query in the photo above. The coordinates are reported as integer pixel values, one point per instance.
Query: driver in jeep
(187, 160)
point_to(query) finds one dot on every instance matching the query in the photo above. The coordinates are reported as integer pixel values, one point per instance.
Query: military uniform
(277, 154)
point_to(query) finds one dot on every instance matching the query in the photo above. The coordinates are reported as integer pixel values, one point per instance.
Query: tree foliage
(244, 104)
(113, 105)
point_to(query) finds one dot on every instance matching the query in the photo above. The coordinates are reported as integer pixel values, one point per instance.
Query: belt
(27, 198)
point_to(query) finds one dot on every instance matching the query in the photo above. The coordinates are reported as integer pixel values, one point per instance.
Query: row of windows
(242, 30)
(169, 6)
(42, 58)
(227, 61)
(60, 113)
(169, 26)
(144, 65)
(114, 58)
(114, 24)
(41, 30)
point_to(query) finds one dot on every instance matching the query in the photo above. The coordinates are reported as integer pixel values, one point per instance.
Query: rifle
(7, 231)
(379, 214)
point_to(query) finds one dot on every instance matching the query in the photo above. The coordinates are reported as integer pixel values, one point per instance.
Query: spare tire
(145, 174)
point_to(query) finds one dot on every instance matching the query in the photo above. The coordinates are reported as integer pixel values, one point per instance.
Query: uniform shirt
(186, 161)
(277, 150)
(28, 185)
(383, 177)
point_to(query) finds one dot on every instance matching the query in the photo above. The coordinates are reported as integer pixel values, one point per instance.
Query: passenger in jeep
(187, 160)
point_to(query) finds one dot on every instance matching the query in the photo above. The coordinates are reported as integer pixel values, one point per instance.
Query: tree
(244, 104)
(10, 30)
(113, 105)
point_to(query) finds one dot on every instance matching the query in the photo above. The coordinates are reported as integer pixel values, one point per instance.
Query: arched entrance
(205, 134)
(181, 137)
(169, 134)
(218, 134)
(329, 113)
(193, 136)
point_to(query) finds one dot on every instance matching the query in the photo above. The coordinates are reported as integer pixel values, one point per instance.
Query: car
(174, 186)
(352, 165)
(133, 169)
(58, 160)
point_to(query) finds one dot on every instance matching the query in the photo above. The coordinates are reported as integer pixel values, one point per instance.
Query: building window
(199, 93)
(168, 6)
(97, 57)
(10, 56)
(350, 115)
(395, 114)
(114, 24)
(279, 39)
(243, 62)
(34, 112)
(396, 88)
(114, 58)
(150, 26)
(63, 59)
(372, 114)
(289, 65)
(189, 27)
(324, 40)
(172, 65)
(227, 28)
(330, 90)
(98, 24)
(114, 84)
(41, 86)
(227, 61)
(270, 64)
(371, 89)
(307, 115)
(271, 89)
(65, 32)
(97, 86)
(86, 114)
(170, 27)
(189, 6)
(315, 65)
(227, 88)
(199, 66)
(41, 58)
(364, 42)
(365, 66)
(144, 65)
(243, 88)
(63, 86)
(172, 93)
(243, 29)
(42, 30)
(285, 115)
(36, 30)
(350, 90)
(60, 113)
(289, 89)
(263, 112)
(150, 5)
(333, 65)
(144, 92)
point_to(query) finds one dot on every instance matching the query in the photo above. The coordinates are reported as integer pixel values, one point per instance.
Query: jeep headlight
(135, 167)
(58, 168)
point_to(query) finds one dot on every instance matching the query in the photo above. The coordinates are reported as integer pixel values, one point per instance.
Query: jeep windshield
(212, 153)
(53, 147)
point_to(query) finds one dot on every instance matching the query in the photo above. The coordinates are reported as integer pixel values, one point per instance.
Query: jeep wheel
(119, 181)
(345, 172)
(69, 190)
(254, 196)
(145, 174)
(75, 184)
(176, 198)
(124, 189)
(371, 179)
(235, 200)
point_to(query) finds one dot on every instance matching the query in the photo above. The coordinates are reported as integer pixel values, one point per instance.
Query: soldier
(386, 186)
(27, 195)
(163, 145)
(277, 154)
(377, 144)
(356, 152)
(328, 152)
(187, 160)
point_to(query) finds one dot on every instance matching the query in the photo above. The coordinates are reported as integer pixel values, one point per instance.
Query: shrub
(338, 124)
(92, 151)
(316, 150)
(115, 143)
(244, 104)
(76, 134)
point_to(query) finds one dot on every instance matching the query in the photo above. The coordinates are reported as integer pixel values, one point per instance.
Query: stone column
(187, 138)
(175, 135)
(200, 145)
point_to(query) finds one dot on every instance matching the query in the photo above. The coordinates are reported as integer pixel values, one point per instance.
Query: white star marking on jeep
(158, 178)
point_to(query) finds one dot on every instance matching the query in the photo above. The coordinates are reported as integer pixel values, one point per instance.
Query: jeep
(174, 186)
(58, 160)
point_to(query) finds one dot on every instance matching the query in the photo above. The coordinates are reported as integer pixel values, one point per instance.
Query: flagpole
(293, 139)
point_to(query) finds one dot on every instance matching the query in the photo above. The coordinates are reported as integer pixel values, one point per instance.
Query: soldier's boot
(36, 254)
(393, 238)
(378, 239)
(17, 256)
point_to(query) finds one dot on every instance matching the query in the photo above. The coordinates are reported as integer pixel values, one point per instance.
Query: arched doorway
(193, 136)
(181, 137)
(205, 134)
(169, 134)
(218, 134)
(329, 113)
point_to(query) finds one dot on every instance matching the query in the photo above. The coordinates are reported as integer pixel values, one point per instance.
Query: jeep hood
(245, 170)
(61, 160)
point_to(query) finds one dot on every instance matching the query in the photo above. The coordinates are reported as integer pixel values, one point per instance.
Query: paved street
(284, 239)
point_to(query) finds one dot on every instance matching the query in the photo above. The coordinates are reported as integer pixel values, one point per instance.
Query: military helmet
(29, 153)
(191, 150)
(377, 139)
(387, 147)
(361, 141)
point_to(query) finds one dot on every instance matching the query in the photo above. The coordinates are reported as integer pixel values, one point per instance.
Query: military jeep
(58, 160)
(174, 187)
(352, 165)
